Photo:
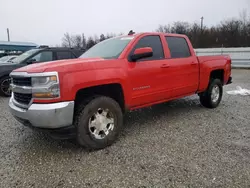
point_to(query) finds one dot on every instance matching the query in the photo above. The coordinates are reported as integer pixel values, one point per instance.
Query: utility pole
(202, 18)
(200, 40)
(8, 34)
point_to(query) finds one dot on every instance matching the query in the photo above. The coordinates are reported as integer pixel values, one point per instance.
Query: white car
(8, 58)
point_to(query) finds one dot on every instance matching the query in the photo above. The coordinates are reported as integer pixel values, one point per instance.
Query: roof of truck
(158, 33)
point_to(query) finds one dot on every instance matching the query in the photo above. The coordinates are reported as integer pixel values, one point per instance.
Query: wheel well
(217, 74)
(5, 75)
(113, 91)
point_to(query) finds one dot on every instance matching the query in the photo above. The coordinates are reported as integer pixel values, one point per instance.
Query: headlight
(43, 81)
(45, 86)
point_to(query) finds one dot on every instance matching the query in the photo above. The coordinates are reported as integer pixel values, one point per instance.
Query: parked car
(7, 58)
(87, 97)
(33, 56)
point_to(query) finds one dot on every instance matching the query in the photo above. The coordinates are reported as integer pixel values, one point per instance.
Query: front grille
(22, 81)
(22, 98)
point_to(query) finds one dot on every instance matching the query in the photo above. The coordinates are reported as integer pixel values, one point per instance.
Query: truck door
(146, 75)
(183, 67)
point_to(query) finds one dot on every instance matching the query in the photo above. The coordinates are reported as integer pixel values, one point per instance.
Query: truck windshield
(108, 49)
(24, 55)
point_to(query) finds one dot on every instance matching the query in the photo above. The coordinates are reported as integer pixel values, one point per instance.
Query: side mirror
(140, 53)
(30, 61)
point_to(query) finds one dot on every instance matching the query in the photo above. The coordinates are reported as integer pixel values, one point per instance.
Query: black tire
(206, 97)
(3, 91)
(82, 117)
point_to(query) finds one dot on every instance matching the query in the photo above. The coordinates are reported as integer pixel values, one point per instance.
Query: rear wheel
(5, 89)
(98, 122)
(212, 96)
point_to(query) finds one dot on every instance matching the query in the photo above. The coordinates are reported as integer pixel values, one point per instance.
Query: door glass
(43, 57)
(64, 55)
(154, 42)
(178, 47)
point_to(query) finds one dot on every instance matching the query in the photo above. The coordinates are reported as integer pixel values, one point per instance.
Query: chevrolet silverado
(86, 98)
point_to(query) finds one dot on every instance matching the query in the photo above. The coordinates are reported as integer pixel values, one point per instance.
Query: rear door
(183, 67)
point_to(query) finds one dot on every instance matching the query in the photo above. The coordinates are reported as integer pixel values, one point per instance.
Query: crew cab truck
(87, 97)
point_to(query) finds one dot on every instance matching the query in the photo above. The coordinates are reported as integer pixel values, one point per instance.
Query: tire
(88, 112)
(207, 98)
(6, 92)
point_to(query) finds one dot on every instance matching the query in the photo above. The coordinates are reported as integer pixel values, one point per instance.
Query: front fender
(4, 73)
(74, 81)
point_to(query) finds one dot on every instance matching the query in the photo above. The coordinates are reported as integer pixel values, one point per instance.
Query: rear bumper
(46, 116)
(229, 81)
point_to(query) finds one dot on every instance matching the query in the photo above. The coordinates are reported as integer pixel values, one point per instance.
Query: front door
(147, 75)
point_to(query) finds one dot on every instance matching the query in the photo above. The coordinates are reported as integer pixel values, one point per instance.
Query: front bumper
(47, 116)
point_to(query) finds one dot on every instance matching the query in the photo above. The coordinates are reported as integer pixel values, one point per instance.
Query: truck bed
(203, 59)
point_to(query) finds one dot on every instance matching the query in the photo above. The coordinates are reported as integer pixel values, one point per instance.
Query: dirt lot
(177, 144)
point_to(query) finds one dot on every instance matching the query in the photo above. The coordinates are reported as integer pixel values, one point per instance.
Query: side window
(77, 54)
(155, 43)
(178, 47)
(64, 55)
(43, 57)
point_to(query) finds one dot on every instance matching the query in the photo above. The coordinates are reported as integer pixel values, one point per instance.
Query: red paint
(143, 50)
(143, 83)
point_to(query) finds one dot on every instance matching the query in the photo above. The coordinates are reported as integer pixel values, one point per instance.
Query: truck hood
(61, 65)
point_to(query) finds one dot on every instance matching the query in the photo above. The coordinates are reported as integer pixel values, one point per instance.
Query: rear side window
(178, 47)
(64, 55)
(155, 43)
(77, 53)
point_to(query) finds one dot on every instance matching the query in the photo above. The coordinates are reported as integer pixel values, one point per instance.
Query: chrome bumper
(52, 116)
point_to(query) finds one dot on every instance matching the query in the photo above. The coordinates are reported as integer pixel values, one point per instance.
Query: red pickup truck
(87, 97)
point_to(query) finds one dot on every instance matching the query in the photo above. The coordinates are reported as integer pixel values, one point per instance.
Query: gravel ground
(177, 144)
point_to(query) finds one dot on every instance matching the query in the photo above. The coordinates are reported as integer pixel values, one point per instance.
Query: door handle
(164, 66)
(193, 63)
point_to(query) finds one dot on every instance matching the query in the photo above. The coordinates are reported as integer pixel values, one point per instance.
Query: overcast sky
(45, 21)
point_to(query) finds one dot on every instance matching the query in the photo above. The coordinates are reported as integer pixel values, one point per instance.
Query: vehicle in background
(33, 56)
(7, 58)
(87, 97)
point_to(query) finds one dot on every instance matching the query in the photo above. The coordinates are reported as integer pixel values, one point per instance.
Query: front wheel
(98, 122)
(5, 89)
(212, 96)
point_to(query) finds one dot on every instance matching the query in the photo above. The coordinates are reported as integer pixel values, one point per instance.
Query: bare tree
(67, 40)
(243, 16)
(164, 28)
(90, 42)
(77, 41)
(102, 37)
(180, 27)
(96, 39)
